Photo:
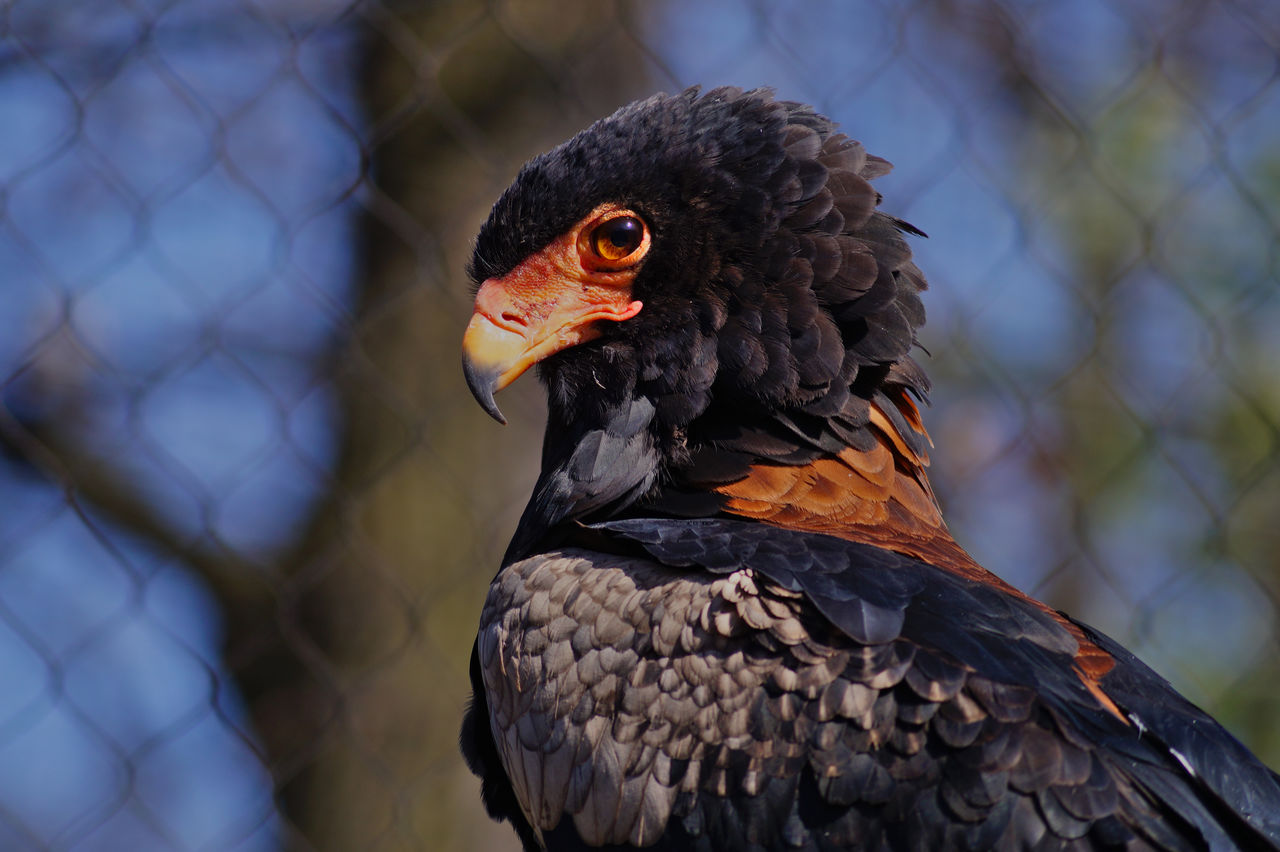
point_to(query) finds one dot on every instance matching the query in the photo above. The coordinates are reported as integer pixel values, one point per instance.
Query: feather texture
(731, 616)
(811, 674)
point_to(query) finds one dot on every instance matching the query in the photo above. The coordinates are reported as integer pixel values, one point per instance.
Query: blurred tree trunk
(358, 682)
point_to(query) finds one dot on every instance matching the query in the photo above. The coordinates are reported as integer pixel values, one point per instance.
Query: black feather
(648, 672)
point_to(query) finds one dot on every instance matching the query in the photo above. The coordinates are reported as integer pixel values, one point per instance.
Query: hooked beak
(525, 317)
(486, 349)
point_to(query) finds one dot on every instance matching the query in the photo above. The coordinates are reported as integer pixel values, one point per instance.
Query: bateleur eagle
(731, 617)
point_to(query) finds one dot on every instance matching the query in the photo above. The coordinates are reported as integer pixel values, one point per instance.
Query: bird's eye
(615, 239)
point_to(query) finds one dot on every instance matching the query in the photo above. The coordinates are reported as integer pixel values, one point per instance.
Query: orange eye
(617, 238)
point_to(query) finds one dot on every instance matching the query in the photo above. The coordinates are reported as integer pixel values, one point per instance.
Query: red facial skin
(552, 300)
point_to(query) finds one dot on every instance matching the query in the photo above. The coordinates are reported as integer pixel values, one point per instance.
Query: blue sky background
(176, 249)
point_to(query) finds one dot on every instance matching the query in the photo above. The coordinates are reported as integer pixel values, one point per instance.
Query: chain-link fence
(248, 509)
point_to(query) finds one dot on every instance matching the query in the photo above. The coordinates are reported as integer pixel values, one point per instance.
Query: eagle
(731, 616)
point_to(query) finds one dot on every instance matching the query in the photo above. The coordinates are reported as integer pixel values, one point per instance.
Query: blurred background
(248, 509)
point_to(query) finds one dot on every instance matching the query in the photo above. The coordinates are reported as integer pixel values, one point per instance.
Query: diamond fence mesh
(248, 509)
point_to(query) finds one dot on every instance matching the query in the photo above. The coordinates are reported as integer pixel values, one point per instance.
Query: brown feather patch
(882, 497)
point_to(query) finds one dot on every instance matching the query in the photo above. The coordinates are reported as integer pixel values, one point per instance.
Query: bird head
(694, 273)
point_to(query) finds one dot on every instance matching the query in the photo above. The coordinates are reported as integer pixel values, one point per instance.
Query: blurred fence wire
(248, 509)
